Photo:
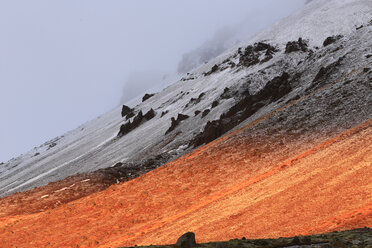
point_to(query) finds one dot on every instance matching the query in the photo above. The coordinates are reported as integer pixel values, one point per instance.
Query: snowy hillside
(251, 69)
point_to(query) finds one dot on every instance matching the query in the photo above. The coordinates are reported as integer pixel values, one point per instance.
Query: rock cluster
(247, 106)
(137, 120)
(296, 46)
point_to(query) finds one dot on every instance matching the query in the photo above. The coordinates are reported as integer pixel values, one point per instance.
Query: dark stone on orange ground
(187, 240)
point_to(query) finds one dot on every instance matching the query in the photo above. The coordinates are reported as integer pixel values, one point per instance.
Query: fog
(63, 63)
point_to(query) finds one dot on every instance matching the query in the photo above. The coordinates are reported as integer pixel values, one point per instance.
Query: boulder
(187, 240)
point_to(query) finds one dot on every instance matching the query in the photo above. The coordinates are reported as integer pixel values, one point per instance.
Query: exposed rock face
(147, 96)
(251, 54)
(296, 46)
(129, 126)
(129, 115)
(325, 72)
(126, 110)
(150, 114)
(331, 39)
(226, 93)
(213, 70)
(163, 113)
(215, 104)
(248, 105)
(176, 122)
(194, 101)
(182, 117)
(275, 89)
(125, 128)
(187, 240)
(205, 113)
(138, 119)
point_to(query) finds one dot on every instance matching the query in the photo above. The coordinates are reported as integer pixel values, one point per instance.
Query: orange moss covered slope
(230, 188)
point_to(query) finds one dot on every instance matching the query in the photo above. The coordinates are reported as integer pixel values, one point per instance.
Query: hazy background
(63, 63)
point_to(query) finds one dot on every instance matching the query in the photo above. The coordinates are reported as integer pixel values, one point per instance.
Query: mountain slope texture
(270, 139)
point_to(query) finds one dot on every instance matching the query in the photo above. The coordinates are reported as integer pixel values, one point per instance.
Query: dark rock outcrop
(213, 70)
(245, 107)
(325, 72)
(197, 112)
(125, 128)
(251, 54)
(205, 112)
(129, 126)
(226, 93)
(125, 110)
(187, 240)
(182, 117)
(215, 104)
(176, 122)
(360, 27)
(129, 115)
(194, 101)
(150, 114)
(137, 119)
(331, 39)
(296, 46)
(147, 96)
(163, 113)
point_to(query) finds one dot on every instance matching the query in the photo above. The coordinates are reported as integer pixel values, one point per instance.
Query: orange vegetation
(233, 187)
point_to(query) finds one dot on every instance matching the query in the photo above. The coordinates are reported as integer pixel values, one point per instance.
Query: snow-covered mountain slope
(249, 74)
(318, 19)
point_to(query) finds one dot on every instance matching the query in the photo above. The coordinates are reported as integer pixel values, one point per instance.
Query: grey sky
(63, 63)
